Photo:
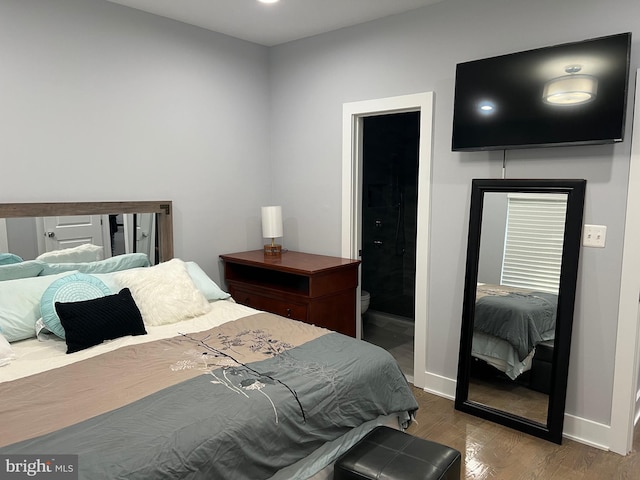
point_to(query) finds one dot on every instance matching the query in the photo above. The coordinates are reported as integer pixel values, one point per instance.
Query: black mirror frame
(575, 190)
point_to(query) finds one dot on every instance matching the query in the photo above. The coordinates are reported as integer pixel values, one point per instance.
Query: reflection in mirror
(29, 237)
(28, 230)
(524, 240)
(516, 301)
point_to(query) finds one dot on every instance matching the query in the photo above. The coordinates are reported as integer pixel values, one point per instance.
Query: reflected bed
(508, 324)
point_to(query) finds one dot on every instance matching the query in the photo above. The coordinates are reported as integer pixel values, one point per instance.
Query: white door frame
(624, 402)
(352, 129)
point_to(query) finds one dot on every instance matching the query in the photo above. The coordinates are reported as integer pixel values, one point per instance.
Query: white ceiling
(272, 24)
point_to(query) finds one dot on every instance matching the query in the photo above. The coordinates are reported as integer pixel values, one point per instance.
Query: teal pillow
(9, 258)
(30, 268)
(208, 287)
(108, 265)
(70, 288)
(20, 305)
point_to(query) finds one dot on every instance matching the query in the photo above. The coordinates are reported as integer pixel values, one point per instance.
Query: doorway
(353, 116)
(389, 221)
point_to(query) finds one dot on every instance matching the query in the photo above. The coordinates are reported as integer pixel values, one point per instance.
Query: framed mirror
(150, 224)
(520, 284)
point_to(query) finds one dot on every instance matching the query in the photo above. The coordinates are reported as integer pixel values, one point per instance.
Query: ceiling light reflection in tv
(569, 94)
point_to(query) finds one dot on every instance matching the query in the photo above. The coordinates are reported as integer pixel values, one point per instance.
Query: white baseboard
(439, 385)
(586, 431)
(579, 429)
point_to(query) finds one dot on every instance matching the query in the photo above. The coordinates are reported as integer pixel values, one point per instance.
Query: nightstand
(316, 289)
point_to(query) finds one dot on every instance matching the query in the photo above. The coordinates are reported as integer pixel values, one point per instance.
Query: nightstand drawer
(316, 289)
(279, 307)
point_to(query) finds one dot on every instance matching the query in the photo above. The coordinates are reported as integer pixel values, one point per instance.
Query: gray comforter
(522, 319)
(233, 419)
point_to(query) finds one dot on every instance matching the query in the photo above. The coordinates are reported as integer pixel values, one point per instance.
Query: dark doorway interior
(389, 212)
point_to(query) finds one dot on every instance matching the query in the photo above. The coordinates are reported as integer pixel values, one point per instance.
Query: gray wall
(416, 52)
(22, 238)
(103, 102)
(492, 237)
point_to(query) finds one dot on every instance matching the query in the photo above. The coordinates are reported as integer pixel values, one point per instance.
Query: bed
(509, 323)
(163, 375)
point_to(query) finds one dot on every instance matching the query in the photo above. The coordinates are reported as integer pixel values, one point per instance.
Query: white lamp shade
(271, 222)
(570, 90)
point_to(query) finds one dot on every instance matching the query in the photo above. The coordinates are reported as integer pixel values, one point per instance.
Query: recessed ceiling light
(486, 107)
(268, 1)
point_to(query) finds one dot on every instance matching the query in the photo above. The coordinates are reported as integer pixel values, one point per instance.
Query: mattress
(500, 355)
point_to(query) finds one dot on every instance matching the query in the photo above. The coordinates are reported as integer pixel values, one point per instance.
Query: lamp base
(273, 250)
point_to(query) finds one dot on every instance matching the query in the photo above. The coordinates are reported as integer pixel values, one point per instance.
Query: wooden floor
(511, 397)
(491, 451)
(494, 452)
(394, 334)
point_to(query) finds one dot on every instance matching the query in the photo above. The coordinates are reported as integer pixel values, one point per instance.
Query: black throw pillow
(91, 322)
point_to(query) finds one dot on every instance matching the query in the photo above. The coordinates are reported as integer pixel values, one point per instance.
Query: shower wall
(389, 211)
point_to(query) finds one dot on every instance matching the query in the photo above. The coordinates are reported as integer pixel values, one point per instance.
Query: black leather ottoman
(388, 454)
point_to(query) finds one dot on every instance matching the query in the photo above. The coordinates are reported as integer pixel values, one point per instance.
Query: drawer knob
(288, 313)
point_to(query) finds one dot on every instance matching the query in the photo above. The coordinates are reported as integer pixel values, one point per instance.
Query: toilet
(364, 301)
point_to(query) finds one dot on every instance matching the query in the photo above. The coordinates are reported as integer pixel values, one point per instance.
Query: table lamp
(272, 228)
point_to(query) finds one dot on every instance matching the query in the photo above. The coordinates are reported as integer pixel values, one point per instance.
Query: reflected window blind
(533, 241)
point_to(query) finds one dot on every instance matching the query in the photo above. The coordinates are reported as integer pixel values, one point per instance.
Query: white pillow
(86, 252)
(6, 352)
(164, 293)
(20, 305)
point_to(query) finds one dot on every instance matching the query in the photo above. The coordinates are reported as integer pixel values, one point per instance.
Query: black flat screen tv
(569, 94)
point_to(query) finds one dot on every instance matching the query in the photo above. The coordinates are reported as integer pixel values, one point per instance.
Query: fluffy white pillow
(164, 293)
(86, 252)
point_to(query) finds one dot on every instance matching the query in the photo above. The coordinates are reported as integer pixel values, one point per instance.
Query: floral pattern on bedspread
(236, 375)
(207, 357)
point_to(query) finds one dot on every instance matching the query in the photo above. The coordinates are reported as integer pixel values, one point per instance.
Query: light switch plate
(594, 236)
